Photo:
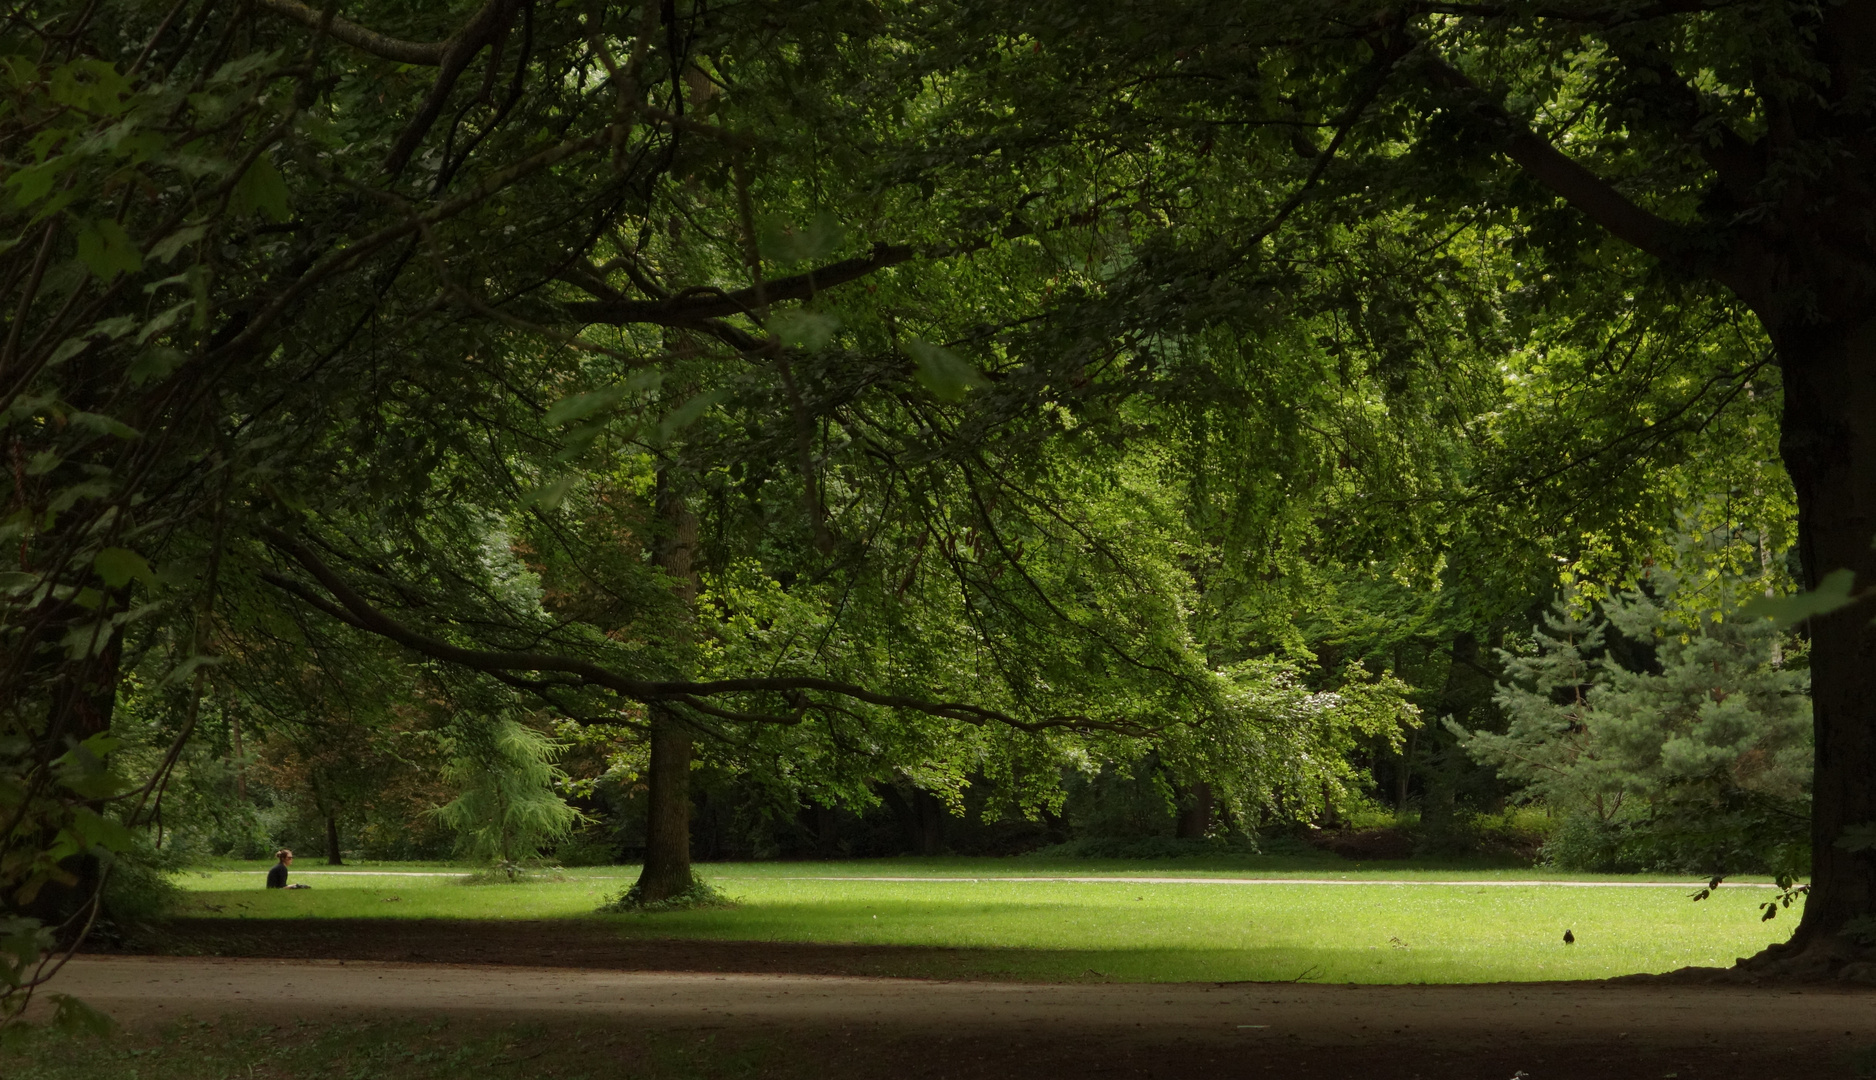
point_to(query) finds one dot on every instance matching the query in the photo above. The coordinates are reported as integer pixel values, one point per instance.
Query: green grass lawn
(1120, 929)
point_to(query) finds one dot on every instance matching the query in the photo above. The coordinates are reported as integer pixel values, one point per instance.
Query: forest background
(602, 432)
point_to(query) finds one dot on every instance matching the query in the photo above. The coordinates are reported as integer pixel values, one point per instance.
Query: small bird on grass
(1569, 938)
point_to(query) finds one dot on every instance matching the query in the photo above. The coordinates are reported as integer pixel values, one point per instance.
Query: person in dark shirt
(277, 877)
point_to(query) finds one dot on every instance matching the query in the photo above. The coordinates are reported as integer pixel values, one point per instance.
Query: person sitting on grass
(277, 877)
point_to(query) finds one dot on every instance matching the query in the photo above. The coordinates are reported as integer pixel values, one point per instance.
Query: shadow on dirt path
(835, 1027)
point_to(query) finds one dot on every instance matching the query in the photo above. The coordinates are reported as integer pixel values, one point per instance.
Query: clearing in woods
(956, 968)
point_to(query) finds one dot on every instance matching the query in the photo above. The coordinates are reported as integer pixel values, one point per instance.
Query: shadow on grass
(598, 944)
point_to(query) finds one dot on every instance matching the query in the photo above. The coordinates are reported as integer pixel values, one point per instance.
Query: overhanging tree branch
(427, 53)
(696, 305)
(1575, 184)
(350, 607)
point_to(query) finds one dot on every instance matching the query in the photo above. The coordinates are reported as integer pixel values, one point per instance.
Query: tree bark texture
(1829, 447)
(83, 703)
(667, 824)
(667, 870)
(1794, 242)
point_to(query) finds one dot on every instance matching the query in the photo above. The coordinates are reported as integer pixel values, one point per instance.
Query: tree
(1697, 759)
(508, 808)
(286, 300)
(1681, 188)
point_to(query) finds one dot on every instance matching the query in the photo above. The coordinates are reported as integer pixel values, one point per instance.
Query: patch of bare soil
(835, 1028)
(828, 1002)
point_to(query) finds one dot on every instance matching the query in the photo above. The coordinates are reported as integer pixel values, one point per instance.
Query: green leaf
(86, 640)
(170, 246)
(1831, 594)
(82, 769)
(92, 85)
(1858, 837)
(15, 582)
(687, 414)
(803, 329)
(580, 438)
(163, 321)
(261, 190)
(102, 424)
(114, 328)
(67, 349)
(551, 495)
(22, 940)
(73, 1016)
(119, 566)
(785, 242)
(99, 831)
(946, 374)
(31, 183)
(106, 250)
(155, 363)
(182, 672)
(580, 406)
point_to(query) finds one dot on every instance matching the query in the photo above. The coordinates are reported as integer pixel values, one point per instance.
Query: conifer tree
(1697, 761)
(508, 809)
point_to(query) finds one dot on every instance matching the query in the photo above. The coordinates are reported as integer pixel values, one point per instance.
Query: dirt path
(1006, 1029)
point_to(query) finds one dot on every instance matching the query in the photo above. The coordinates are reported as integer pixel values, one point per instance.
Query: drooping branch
(694, 306)
(349, 606)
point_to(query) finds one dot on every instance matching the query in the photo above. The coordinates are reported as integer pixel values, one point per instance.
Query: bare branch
(694, 306)
(428, 53)
(1595, 197)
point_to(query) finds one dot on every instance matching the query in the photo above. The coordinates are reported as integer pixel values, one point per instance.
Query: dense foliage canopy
(849, 394)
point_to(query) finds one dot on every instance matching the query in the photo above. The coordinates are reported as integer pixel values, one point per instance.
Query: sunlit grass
(1374, 932)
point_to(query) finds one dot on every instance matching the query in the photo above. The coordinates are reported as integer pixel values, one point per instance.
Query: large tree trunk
(1829, 449)
(667, 870)
(667, 825)
(83, 703)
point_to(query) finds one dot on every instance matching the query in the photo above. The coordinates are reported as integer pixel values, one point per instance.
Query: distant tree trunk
(331, 815)
(240, 756)
(931, 815)
(667, 871)
(921, 818)
(826, 831)
(1195, 813)
(1404, 771)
